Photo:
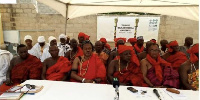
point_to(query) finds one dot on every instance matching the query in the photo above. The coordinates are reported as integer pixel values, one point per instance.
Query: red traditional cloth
(134, 58)
(107, 46)
(103, 40)
(87, 37)
(58, 70)
(92, 69)
(151, 75)
(139, 50)
(177, 59)
(81, 34)
(30, 68)
(153, 40)
(122, 48)
(157, 65)
(131, 40)
(131, 75)
(173, 43)
(194, 49)
(117, 39)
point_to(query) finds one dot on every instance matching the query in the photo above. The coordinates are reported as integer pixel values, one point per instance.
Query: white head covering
(41, 39)
(28, 37)
(51, 38)
(63, 36)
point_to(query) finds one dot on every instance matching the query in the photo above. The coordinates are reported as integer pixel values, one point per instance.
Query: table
(58, 90)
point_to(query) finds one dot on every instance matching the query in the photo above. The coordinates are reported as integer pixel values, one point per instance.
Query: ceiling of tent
(75, 8)
(132, 2)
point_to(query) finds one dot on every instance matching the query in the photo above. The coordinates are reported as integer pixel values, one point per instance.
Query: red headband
(194, 49)
(173, 43)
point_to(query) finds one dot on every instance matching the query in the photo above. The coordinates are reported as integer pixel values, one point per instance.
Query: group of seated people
(169, 66)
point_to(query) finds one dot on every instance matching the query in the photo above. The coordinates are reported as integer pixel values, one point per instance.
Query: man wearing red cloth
(88, 68)
(22, 68)
(174, 56)
(189, 71)
(113, 54)
(139, 45)
(152, 67)
(126, 68)
(75, 52)
(82, 37)
(55, 67)
(104, 41)
(132, 41)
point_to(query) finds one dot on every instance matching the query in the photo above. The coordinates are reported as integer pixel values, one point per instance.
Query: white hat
(28, 37)
(62, 36)
(41, 39)
(51, 38)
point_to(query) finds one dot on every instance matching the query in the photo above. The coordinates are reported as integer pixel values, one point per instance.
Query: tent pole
(66, 18)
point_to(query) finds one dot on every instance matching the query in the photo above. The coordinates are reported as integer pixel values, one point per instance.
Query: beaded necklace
(120, 67)
(81, 67)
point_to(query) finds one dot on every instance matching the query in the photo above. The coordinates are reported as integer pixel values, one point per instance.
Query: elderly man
(46, 54)
(63, 44)
(75, 52)
(139, 45)
(189, 70)
(28, 40)
(88, 68)
(174, 56)
(5, 58)
(55, 67)
(22, 68)
(126, 68)
(40, 46)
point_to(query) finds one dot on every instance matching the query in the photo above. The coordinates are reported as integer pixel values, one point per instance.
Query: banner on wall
(148, 27)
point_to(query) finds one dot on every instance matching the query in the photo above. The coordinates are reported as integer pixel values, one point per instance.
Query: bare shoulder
(76, 60)
(144, 61)
(48, 60)
(113, 62)
(185, 65)
(166, 55)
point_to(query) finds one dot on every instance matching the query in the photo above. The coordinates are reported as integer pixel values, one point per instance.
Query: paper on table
(25, 89)
(175, 96)
(10, 95)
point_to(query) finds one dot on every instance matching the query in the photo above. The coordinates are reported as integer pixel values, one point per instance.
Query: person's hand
(8, 82)
(88, 81)
(97, 80)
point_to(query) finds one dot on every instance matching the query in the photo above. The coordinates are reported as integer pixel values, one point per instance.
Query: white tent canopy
(188, 9)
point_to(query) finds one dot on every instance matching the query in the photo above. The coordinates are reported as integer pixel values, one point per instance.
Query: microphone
(157, 94)
(116, 85)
